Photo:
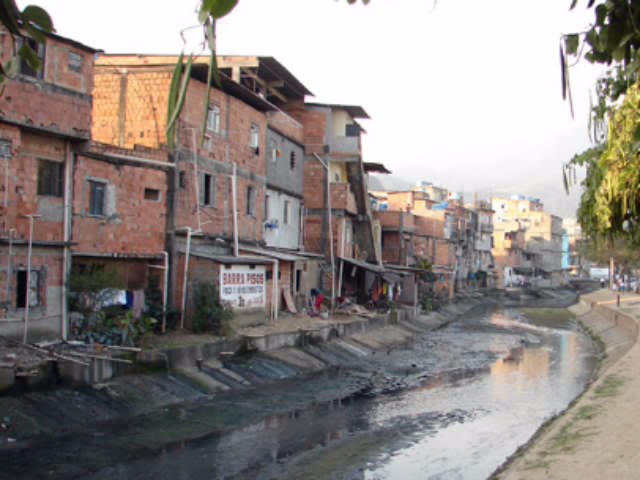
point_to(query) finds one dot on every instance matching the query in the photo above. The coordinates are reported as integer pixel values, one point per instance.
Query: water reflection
(482, 387)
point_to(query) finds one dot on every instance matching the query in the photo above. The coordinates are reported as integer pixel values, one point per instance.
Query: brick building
(528, 242)
(45, 119)
(284, 158)
(338, 222)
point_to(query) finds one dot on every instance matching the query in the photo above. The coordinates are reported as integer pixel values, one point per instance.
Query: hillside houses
(268, 203)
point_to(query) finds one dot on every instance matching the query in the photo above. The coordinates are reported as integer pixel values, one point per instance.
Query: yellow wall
(338, 172)
(340, 120)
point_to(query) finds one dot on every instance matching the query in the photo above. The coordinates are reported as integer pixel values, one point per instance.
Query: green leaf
(184, 85)
(35, 33)
(29, 56)
(9, 15)
(213, 64)
(37, 16)
(563, 73)
(571, 43)
(216, 8)
(601, 14)
(12, 67)
(173, 96)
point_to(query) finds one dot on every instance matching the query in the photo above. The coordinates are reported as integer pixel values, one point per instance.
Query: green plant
(210, 315)
(89, 289)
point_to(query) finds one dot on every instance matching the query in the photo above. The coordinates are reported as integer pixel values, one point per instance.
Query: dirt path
(598, 437)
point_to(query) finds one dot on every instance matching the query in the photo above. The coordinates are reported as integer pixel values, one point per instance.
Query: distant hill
(388, 183)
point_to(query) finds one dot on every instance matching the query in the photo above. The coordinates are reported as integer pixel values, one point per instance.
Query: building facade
(45, 119)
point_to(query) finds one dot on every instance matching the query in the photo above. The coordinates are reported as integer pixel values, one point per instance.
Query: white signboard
(242, 286)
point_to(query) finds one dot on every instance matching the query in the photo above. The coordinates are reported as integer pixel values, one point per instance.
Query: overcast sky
(465, 93)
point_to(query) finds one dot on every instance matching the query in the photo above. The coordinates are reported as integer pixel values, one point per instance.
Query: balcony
(486, 227)
(345, 145)
(342, 198)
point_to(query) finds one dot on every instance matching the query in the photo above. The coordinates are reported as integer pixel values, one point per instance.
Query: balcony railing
(345, 145)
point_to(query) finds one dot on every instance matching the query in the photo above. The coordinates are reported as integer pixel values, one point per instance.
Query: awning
(228, 259)
(364, 265)
(275, 254)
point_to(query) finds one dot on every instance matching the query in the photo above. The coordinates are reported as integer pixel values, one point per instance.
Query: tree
(32, 23)
(610, 203)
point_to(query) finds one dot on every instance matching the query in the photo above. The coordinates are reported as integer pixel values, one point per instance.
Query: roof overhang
(375, 167)
(356, 111)
(371, 267)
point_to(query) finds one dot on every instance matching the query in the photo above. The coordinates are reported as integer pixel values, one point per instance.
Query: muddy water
(472, 393)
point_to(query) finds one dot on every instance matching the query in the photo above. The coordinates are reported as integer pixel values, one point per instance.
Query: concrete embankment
(198, 373)
(597, 436)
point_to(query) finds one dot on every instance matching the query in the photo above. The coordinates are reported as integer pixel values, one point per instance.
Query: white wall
(285, 235)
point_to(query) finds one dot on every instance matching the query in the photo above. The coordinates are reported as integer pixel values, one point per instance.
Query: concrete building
(338, 222)
(45, 119)
(527, 242)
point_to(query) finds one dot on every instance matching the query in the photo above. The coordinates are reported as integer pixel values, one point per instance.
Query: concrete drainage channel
(197, 372)
(203, 384)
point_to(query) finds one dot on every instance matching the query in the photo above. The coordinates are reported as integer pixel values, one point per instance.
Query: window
(152, 194)
(182, 179)
(75, 62)
(266, 206)
(213, 119)
(208, 192)
(254, 141)
(21, 290)
(5, 149)
(25, 68)
(251, 201)
(97, 194)
(285, 213)
(274, 152)
(50, 178)
(292, 160)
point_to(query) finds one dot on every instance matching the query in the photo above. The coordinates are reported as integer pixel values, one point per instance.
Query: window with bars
(5, 149)
(97, 197)
(32, 292)
(208, 190)
(213, 119)
(25, 68)
(285, 213)
(75, 62)
(50, 178)
(254, 141)
(251, 201)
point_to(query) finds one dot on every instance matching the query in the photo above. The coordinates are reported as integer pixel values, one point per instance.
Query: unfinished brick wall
(314, 183)
(315, 126)
(45, 314)
(391, 248)
(60, 101)
(27, 150)
(130, 107)
(131, 224)
(144, 91)
(313, 225)
(286, 125)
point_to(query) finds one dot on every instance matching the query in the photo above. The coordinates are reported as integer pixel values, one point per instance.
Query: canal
(452, 405)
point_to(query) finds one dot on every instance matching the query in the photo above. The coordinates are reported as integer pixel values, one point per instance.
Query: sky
(462, 93)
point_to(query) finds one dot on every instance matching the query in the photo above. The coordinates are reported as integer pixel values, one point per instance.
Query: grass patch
(569, 436)
(610, 386)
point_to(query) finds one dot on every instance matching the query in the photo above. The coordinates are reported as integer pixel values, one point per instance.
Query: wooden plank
(288, 300)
